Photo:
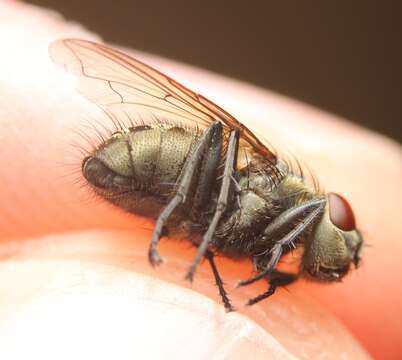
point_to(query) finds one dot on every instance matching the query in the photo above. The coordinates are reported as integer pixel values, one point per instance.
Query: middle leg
(219, 283)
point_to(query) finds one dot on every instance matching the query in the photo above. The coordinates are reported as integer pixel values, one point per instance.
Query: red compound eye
(341, 213)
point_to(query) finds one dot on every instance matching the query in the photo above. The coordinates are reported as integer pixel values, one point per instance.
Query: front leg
(303, 215)
(276, 279)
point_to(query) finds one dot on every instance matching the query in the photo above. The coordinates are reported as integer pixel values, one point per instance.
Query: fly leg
(303, 215)
(201, 198)
(230, 164)
(218, 280)
(186, 179)
(276, 279)
(207, 177)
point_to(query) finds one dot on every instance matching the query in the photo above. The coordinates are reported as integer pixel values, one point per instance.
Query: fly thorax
(243, 226)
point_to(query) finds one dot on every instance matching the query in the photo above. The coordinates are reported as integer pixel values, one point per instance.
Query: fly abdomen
(141, 158)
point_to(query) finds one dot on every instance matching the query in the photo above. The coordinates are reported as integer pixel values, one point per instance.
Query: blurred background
(341, 56)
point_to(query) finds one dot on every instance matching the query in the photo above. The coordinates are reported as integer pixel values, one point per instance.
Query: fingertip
(98, 286)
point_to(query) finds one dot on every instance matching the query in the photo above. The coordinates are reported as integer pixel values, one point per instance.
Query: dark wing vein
(121, 84)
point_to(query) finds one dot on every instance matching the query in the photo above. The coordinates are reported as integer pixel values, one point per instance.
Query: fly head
(335, 243)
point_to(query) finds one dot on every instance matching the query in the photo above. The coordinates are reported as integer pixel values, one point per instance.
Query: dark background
(341, 56)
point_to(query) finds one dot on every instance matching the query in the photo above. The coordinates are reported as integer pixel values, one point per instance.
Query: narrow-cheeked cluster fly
(203, 175)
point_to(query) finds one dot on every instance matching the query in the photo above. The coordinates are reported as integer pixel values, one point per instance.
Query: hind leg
(205, 145)
(224, 195)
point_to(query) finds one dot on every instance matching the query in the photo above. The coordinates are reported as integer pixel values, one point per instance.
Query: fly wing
(126, 87)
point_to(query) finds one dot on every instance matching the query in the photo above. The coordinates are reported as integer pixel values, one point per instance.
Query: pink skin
(74, 276)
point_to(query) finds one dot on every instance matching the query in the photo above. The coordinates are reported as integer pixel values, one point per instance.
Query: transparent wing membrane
(125, 87)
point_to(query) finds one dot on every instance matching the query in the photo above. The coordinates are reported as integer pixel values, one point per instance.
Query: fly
(203, 175)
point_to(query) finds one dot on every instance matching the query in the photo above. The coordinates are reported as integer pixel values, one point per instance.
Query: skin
(74, 276)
